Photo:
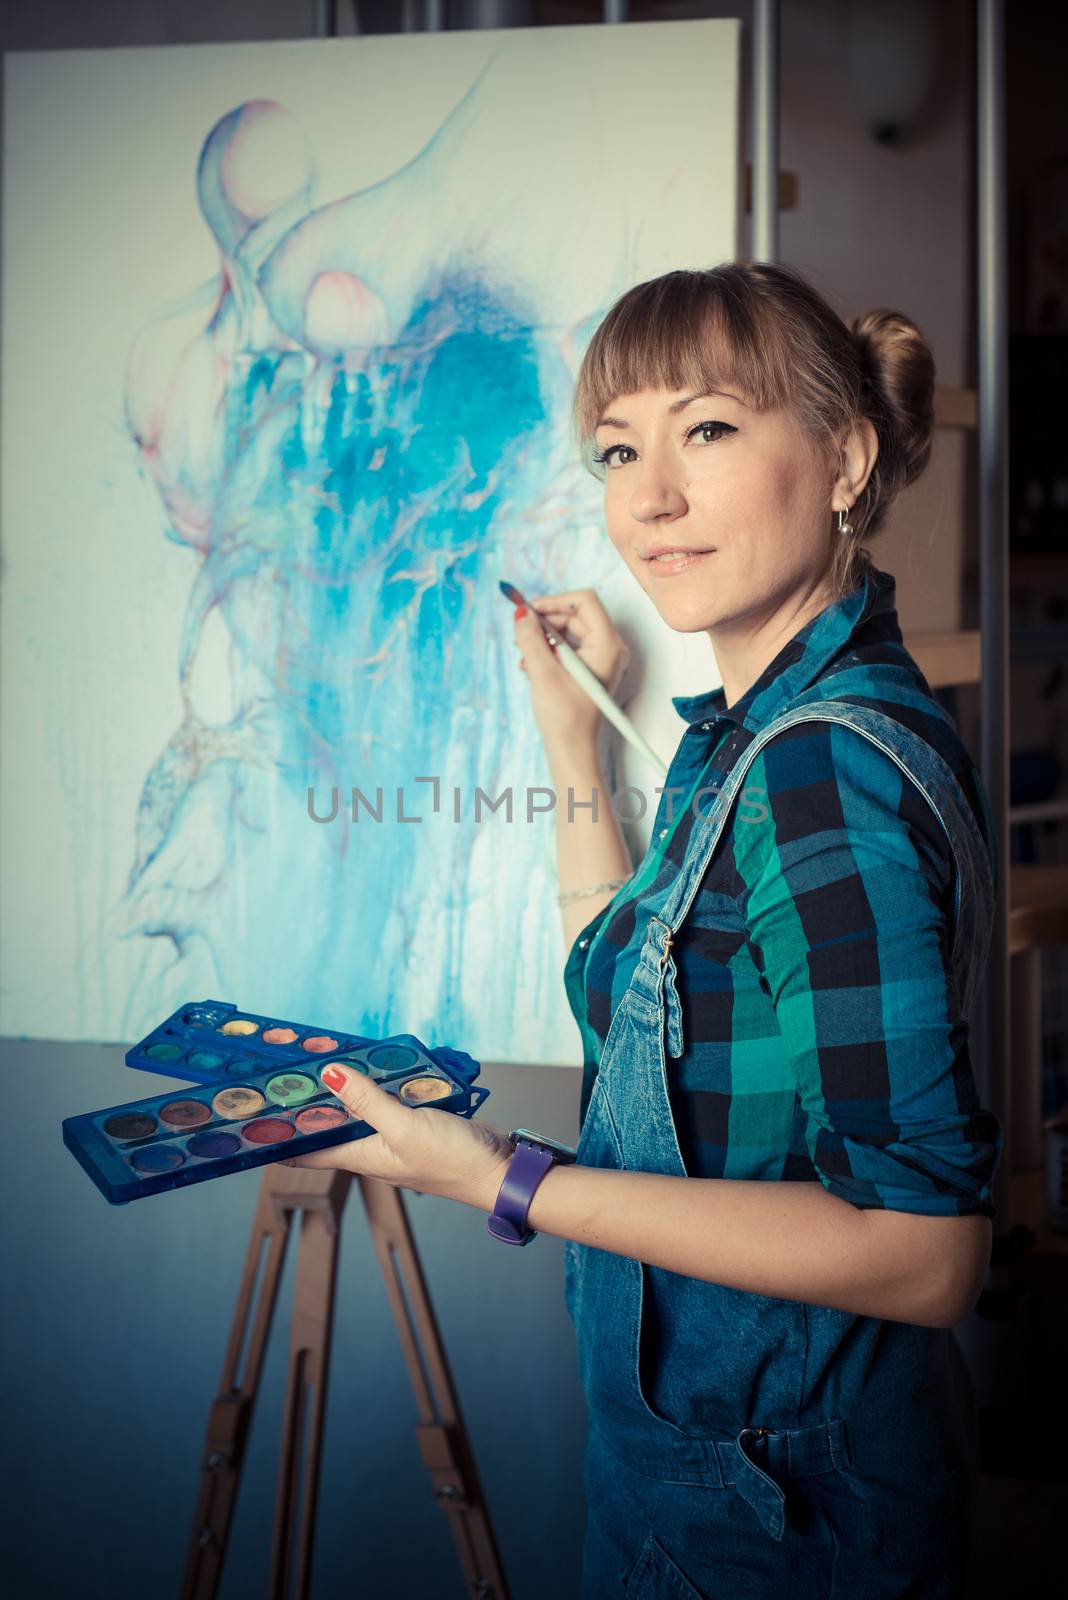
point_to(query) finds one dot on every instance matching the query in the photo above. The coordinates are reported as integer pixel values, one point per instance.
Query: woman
(781, 1202)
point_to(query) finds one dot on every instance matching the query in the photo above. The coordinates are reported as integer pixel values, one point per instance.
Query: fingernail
(520, 611)
(333, 1077)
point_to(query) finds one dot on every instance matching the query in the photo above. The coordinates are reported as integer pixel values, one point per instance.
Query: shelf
(1038, 907)
(954, 408)
(946, 659)
(955, 657)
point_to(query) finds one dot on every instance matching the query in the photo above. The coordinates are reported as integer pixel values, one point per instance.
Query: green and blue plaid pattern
(813, 968)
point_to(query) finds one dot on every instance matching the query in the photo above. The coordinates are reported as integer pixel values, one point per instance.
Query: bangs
(695, 331)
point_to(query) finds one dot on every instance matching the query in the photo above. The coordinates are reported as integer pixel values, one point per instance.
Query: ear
(859, 451)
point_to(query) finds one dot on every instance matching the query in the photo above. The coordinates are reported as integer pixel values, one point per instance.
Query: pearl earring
(844, 526)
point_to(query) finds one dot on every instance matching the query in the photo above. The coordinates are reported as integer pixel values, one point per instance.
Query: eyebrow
(679, 405)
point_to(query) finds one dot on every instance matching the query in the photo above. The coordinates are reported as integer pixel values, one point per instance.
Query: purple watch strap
(508, 1219)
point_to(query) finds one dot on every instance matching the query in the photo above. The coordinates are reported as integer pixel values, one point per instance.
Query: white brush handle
(597, 692)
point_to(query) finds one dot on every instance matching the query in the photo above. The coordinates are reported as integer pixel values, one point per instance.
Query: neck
(745, 645)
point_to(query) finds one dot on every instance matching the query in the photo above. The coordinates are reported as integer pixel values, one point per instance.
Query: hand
(563, 711)
(415, 1147)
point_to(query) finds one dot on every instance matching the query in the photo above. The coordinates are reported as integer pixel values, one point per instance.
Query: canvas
(290, 333)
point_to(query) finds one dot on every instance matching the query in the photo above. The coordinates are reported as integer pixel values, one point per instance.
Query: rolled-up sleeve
(847, 876)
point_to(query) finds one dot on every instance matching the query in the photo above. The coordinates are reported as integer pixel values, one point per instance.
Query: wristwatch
(533, 1157)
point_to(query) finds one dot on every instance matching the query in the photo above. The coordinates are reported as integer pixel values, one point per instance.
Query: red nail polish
(333, 1077)
(520, 611)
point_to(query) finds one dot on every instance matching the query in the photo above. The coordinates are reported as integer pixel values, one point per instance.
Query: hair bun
(897, 363)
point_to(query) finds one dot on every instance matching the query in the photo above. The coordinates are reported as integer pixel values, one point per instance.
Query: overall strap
(924, 767)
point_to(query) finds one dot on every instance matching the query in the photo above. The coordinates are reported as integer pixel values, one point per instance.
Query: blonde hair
(763, 329)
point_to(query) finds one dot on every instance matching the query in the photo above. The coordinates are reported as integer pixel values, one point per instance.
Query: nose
(658, 494)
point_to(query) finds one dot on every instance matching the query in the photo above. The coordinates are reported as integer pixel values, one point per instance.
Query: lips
(673, 550)
(673, 563)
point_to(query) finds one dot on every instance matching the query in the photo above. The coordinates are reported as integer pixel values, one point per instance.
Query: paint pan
(204, 1017)
(291, 1089)
(268, 1130)
(206, 1060)
(425, 1089)
(316, 1119)
(131, 1125)
(157, 1159)
(241, 1101)
(164, 1051)
(279, 1035)
(185, 1113)
(213, 1144)
(386, 1059)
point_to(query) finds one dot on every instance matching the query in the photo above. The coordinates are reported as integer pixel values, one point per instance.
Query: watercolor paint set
(210, 1041)
(255, 1117)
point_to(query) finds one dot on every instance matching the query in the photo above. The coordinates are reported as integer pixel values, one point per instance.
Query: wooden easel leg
(304, 1406)
(440, 1430)
(283, 1190)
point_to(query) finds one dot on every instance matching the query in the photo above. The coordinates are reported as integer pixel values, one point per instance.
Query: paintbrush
(587, 680)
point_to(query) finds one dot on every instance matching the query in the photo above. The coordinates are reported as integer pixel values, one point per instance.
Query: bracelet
(594, 888)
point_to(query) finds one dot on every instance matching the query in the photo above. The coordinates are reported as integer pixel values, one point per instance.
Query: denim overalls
(855, 1473)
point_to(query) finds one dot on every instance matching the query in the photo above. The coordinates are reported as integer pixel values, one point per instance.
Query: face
(741, 493)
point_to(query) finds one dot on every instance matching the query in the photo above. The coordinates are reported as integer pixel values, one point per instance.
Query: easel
(320, 1196)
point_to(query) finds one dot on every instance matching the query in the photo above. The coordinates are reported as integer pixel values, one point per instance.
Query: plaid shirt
(821, 1042)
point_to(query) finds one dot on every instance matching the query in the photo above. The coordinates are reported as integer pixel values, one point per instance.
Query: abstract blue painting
(316, 785)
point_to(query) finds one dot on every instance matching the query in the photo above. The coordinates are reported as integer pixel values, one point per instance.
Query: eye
(613, 456)
(713, 427)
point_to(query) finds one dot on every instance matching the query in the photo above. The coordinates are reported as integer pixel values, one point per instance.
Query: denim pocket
(656, 1577)
(693, 1350)
(598, 1144)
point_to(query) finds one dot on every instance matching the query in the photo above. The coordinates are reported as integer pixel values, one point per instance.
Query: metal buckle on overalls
(668, 942)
